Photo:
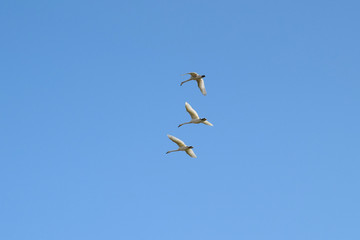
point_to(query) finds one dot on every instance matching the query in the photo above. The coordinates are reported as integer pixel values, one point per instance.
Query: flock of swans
(193, 114)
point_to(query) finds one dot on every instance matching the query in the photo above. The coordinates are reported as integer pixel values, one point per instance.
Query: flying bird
(182, 146)
(194, 117)
(199, 79)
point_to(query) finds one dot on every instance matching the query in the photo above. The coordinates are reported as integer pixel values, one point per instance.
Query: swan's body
(194, 117)
(199, 79)
(182, 146)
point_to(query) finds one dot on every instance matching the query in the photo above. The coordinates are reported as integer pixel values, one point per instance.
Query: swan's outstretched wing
(191, 111)
(208, 123)
(201, 85)
(191, 153)
(177, 141)
(193, 74)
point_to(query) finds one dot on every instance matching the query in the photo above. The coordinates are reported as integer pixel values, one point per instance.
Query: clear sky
(89, 90)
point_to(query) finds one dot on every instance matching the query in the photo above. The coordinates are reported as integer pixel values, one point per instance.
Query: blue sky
(89, 90)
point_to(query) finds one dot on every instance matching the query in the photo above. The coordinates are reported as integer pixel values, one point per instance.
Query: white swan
(199, 79)
(194, 116)
(182, 146)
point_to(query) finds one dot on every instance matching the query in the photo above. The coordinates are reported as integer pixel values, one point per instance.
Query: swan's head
(203, 76)
(190, 147)
(203, 119)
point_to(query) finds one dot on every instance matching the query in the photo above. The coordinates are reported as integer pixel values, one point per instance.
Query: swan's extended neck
(184, 124)
(172, 151)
